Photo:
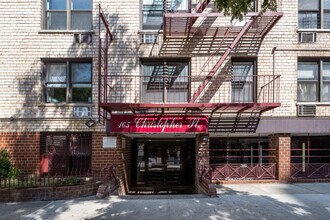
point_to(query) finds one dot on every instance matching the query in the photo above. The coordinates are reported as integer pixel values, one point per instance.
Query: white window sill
(314, 103)
(66, 105)
(315, 30)
(66, 32)
(150, 31)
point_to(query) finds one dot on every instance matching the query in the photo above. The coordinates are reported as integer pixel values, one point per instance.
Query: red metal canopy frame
(191, 108)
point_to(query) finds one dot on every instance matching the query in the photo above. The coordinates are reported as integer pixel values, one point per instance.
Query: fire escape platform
(190, 108)
(183, 25)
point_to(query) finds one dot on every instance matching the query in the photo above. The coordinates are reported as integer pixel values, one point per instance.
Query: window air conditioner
(82, 38)
(307, 37)
(306, 110)
(149, 38)
(82, 111)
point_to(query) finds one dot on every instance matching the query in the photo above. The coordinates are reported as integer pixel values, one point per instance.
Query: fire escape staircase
(230, 117)
(222, 59)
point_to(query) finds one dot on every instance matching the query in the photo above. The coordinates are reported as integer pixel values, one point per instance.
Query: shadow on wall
(215, 85)
(123, 60)
(31, 115)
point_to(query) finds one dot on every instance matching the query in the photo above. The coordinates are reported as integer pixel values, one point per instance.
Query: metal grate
(310, 157)
(307, 37)
(306, 110)
(66, 154)
(242, 158)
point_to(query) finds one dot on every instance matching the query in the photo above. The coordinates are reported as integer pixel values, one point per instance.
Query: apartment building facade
(168, 91)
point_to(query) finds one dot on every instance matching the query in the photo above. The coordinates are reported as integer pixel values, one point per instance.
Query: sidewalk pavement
(234, 201)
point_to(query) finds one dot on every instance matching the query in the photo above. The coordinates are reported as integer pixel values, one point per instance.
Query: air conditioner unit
(306, 110)
(149, 38)
(82, 38)
(307, 37)
(82, 112)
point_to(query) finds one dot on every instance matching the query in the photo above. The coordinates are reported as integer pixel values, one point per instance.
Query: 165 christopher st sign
(158, 124)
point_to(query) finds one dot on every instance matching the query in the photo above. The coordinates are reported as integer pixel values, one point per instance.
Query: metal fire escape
(105, 37)
(191, 26)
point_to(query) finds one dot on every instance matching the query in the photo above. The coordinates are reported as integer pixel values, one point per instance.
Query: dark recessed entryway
(163, 165)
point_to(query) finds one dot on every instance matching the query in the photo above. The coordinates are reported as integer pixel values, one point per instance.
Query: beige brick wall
(23, 44)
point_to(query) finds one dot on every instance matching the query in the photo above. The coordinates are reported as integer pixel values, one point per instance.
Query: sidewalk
(236, 201)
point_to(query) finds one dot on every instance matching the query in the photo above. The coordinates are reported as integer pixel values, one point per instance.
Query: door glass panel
(164, 163)
(173, 166)
(141, 164)
(155, 165)
(173, 157)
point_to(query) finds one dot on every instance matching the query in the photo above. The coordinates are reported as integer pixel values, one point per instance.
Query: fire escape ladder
(217, 66)
(105, 37)
(186, 22)
(213, 55)
(201, 6)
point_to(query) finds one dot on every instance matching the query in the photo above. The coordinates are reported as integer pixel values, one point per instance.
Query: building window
(68, 82)
(253, 6)
(242, 89)
(66, 154)
(165, 81)
(152, 12)
(68, 14)
(313, 81)
(239, 150)
(314, 14)
(310, 157)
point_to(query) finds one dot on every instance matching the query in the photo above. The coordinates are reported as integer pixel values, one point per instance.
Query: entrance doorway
(163, 165)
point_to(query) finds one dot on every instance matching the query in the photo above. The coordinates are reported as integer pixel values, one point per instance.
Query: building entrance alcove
(163, 165)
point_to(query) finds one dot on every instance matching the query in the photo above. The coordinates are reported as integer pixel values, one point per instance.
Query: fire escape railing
(210, 91)
(105, 37)
(132, 90)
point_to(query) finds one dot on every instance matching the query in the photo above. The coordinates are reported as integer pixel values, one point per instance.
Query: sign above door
(158, 124)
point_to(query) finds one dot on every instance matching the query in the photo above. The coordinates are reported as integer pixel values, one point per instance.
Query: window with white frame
(242, 89)
(68, 82)
(314, 14)
(313, 81)
(68, 14)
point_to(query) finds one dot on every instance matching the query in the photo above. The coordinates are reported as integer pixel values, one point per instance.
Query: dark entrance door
(163, 165)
